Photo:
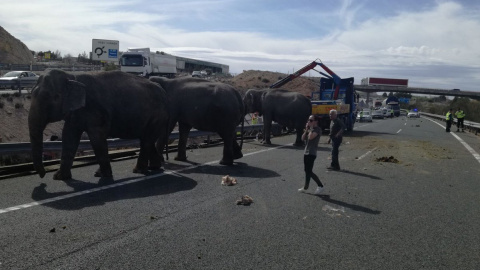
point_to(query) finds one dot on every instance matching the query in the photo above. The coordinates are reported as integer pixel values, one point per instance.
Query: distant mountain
(12, 50)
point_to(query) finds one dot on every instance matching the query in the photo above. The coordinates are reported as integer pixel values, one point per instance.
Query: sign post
(105, 50)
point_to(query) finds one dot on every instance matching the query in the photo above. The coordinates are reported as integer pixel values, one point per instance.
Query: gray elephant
(289, 109)
(107, 104)
(206, 106)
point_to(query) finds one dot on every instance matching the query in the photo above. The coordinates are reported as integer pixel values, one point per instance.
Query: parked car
(366, 116)
(197, 74)
(413, 114)
(378, 114)
(15, 79)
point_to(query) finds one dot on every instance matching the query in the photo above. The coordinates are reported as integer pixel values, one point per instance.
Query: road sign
(105, 50)
(404, 100)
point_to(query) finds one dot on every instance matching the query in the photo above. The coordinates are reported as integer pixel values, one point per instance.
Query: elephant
(289, 109)
(206, 106)
(107, 104)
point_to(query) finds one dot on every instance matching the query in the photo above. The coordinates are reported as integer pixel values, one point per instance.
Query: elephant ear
(74, 96)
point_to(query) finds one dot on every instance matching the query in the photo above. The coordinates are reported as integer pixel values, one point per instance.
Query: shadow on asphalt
(353, 207)
(237, 170)
(143, 188)
(363, 133)
(361, 174)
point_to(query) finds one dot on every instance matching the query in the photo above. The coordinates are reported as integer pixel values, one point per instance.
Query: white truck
(145, 63)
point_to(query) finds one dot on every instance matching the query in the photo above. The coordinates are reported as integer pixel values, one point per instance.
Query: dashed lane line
(367, 153)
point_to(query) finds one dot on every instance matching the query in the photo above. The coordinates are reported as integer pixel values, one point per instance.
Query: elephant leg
(98, 139)
(228, 139)
(298, 140)
(143, 157)
(70, 141)
(267, 128)
(183, 131)
(156, 155)
(237, 151)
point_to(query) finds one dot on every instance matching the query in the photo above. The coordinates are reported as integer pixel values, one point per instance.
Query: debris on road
(227, 180)
(387, 159)
(245, 200)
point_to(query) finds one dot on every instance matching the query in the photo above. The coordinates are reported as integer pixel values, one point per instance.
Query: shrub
(1, 105)
(18, 105)
(16, 94)
(266, 80)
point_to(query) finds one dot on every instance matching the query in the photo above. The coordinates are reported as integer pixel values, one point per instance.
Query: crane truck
(145, 63)
(334, 93)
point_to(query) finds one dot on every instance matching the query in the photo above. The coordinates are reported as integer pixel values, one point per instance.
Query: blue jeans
(335, 145)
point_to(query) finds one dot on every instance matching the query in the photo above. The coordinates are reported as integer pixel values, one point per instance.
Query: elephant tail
(241, 133)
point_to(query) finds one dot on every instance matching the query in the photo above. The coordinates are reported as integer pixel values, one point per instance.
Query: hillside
(12, 50)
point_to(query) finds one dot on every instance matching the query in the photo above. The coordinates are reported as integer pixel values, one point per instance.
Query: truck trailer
(372, 81)
(145, 63)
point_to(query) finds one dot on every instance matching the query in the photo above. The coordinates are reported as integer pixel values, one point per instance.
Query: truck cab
(136, 62)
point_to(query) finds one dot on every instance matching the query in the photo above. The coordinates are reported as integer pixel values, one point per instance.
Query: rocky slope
(12, 50)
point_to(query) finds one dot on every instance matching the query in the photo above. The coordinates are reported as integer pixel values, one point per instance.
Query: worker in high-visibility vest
(460, 117)
(449, 119)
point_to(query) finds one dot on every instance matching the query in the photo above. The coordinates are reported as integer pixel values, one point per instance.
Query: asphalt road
(420, 213)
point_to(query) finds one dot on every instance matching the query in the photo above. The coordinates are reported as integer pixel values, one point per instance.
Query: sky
(432, 43)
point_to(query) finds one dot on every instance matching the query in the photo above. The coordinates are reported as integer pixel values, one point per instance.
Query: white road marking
(366, 154)
(468, 147)
(400, 130)
(136, 180)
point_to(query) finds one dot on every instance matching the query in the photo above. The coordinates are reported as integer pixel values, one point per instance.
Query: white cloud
(248, 35)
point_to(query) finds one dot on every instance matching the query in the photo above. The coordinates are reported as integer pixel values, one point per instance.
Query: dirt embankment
(14, 109)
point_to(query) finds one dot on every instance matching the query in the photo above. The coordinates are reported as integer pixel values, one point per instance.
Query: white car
(366, 117)
(378, 114)
(413, 114)
(15, 79)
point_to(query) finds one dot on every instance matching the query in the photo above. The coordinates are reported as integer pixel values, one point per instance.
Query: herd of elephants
(122, 105)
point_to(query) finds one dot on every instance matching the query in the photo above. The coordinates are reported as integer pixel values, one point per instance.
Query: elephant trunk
(36, 125)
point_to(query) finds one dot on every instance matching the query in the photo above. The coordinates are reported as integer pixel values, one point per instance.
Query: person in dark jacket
(336, 136)
(312, 137)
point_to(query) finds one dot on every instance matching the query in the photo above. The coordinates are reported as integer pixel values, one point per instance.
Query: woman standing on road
(312, 137)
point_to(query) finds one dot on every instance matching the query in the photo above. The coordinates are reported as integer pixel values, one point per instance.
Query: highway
(422, 212)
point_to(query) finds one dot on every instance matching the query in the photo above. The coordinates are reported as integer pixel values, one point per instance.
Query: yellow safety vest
(448, 116)
(460, 114)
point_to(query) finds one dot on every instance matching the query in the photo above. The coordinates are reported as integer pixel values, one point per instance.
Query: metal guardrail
(25, 147)
(469, 125)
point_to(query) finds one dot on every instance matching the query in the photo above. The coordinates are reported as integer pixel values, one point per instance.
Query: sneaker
(318, 191)
(333, 168)
(302, 190)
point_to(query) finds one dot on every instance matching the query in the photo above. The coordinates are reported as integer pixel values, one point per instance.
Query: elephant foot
(155, 168)
(140, 170)
(226, 162)
(59, 175)
(107, 180)
(180, 158)
(99, 173)
(237, 155)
